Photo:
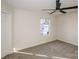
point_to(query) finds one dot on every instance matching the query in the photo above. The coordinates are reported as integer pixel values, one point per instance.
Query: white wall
(66, 27)
(8, 11)
(27, 29)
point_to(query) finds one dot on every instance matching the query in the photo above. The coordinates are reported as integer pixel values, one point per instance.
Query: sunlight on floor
(41, 55)
(55, 57)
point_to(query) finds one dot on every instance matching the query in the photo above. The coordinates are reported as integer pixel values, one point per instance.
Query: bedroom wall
(27, 29)
(67, 27)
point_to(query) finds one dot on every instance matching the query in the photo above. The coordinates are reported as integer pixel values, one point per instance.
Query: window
(44, 26)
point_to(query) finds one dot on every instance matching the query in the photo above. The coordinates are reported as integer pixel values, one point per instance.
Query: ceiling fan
(58, 4)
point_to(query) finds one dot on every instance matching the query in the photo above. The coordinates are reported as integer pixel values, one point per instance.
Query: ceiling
(40, 4)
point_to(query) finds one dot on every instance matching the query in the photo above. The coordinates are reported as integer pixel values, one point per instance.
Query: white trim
(8, 29)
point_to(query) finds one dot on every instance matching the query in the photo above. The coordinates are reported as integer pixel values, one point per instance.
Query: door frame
(8, 33)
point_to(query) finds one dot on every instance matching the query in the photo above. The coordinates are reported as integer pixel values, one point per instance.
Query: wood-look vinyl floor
(52, 50)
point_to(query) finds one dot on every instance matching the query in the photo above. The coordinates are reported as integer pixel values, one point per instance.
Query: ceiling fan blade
(74, 7)
(52, 12)
(62, 11)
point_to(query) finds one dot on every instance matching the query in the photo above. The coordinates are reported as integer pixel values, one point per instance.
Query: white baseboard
(33, 45)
